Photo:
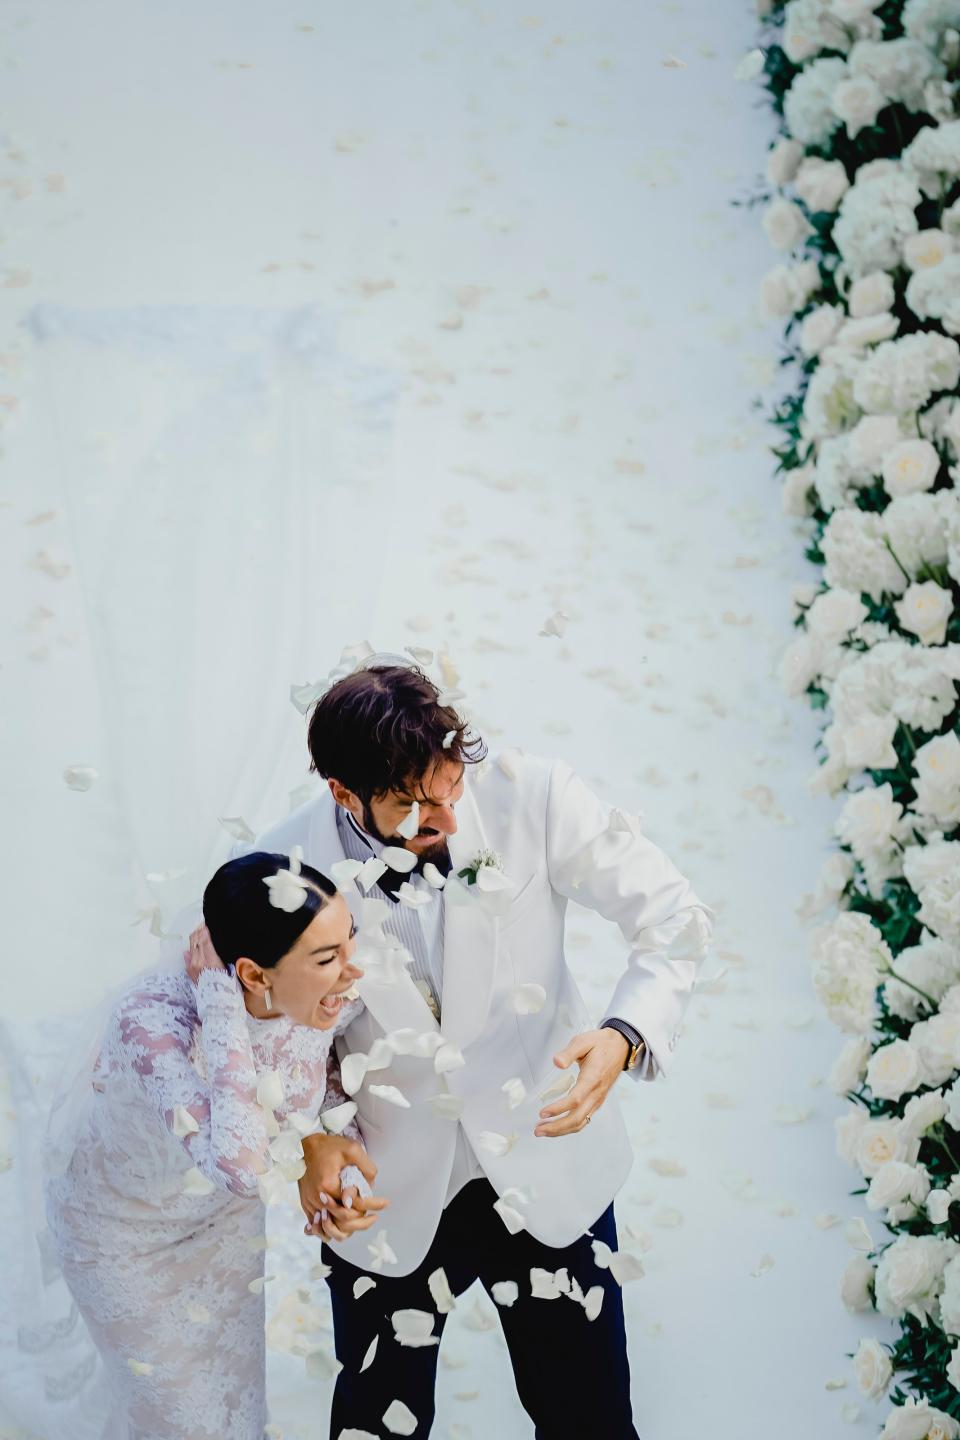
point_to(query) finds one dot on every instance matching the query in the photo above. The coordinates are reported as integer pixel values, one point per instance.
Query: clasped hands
(330, 1214)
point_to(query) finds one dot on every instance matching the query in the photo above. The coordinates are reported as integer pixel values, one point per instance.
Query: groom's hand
(601, 1055)
(326, 1156)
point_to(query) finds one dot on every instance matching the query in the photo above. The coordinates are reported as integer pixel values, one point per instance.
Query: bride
(157, 1221)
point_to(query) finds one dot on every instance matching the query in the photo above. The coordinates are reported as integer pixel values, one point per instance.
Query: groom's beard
(435, 854)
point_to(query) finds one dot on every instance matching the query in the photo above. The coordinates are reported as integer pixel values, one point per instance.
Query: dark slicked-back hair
(382, 728)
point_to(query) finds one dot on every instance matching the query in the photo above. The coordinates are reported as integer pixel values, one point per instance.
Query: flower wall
(863, 203)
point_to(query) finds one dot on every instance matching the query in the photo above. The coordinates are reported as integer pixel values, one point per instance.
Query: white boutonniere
(486, 872)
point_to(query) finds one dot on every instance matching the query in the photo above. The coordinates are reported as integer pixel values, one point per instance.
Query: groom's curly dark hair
(383, 728)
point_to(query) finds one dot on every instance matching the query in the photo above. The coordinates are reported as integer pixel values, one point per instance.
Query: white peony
(933, 157)
(910, 466)
(848, 957)
(931, 967)
(935, 1041)
(909, 1275)
(869, 441)
(834, 613)
(806, 106)
(925, 609)
(829, 406)
(902, 375)
(821, 184)
(856, 556)
(900, 68)
(871, 294)
(857, 101)
(863, 744)
(876, 215)
(926, 20)
(934, 293)
(917, 528)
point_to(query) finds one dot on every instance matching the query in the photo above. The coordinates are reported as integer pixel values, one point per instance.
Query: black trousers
(572, 1373)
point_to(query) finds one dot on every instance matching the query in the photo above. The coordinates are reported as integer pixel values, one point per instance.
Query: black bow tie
(391, 880)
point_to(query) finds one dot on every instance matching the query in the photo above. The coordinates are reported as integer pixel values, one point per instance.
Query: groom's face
(437, 791)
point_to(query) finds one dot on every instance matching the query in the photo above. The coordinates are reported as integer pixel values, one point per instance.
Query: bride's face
(309, 982)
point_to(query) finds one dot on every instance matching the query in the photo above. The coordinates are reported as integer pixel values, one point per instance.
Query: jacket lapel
(469, 934)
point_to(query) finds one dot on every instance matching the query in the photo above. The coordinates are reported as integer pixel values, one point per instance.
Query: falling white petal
(495, 1143)
(750, 66)
(344, 872)
(514, 1220)
(139, 1367)
(398, 858)
(515, 1091)
(505, 1292)
(362, 1284)
(592, 1301)
(448, 739)
(399, 1418)
(196, 1183)
(410, 823)
(414, 1328)
(625, 1267)
(370, 871)
(390, 1094)
(338, 1116)
(80, 777)
(413, 896)
(287, 892)
(448, 1057)
(443, 1296)
(529, 999)
(448, 1107)
(270, 1089)
(236, 826)
(381, 1252)
(433, 876)
(183, 1122)
(353, 1067)
(556, 624)
(322, 1364)
(560, 1087)
(370, 1352)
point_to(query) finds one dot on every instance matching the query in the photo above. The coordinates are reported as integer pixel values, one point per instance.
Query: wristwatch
(633, 1038)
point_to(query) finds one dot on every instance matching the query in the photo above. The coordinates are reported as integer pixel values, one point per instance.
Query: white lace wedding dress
(158, 1224)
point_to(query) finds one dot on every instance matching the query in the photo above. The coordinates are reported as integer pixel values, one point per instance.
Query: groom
(471, 1025)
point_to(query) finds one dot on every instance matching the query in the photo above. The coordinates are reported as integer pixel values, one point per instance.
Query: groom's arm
(625, 877)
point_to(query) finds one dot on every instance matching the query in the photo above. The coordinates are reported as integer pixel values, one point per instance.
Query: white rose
(910, 466)
(893, 1071)
(935, 1042)
(785, 224)
(936, 766)
(877, 1143)
(872, 1369)
(834, 613)
(919, 1420)
(899, 1187)
(787, 288)
(908, 1273)
(938, 1208)
(857, 101)
(783, 160)
(856, 1284)
(821, 184)
(869, 441)
(863, 744)
(925, 611)
(795, 492)
(868, 330)
(819, 328)
(850, 1065)
(926, 249)
(870, 820)
(871, 295)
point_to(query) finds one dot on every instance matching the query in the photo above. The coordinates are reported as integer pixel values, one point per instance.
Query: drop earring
(266, 998)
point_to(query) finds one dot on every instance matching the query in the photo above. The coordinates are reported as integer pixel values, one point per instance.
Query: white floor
(416, 323)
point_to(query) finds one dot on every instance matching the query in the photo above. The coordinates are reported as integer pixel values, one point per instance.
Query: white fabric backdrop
(418, 324)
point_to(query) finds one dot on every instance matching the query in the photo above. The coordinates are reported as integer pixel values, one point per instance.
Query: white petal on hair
(448, 739)
(414, 1327)
(287, 892)
(236, 826)
(398, 858)
(443, 1296)
(433, 876)
(344, 872)
(390, 1094)
(399, 1418)
(529, 999)
(410, 823)
(296, 857)
(183, 1122)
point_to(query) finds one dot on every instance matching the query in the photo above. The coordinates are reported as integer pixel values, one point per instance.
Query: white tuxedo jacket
(557, 843)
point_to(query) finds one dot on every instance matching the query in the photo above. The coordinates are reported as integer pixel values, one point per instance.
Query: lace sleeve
(218, 1120)
(336, 1095)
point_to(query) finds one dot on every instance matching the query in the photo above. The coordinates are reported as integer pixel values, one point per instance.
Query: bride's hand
(326, 1156)
(201, 955)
